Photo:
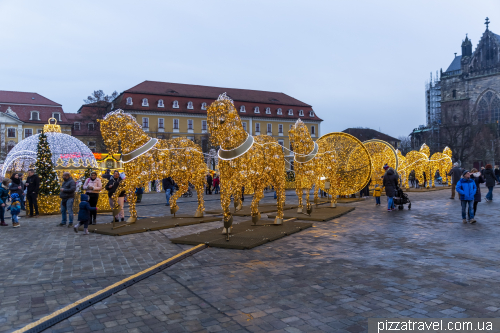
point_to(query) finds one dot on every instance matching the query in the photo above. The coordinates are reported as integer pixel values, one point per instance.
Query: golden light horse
(402, 169)
(244, 160)
(146, 159)
(418, 161)
(441, 162)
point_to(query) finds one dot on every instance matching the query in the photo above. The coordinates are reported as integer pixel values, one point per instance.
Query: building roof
(455, 64)
(23, 112)
(364, 134)
(18, 97)
(196, 91)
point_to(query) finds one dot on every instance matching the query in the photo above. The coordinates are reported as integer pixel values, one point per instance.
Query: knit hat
(386, 167)
(464, 172)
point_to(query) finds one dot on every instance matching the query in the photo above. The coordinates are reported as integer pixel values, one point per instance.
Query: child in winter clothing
(376, 193)
(4, 197)
(84, 214)
(15, 209)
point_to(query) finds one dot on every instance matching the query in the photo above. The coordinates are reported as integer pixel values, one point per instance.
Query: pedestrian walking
(15, 209)
(4, 197)
(67, 196)
(377, 192)
(208, 188)
(497, 174)
(456, 174)
(390, 182)
(466, 188)
(412, 178)
(489, 179)
(111, 187)
(478, 179)
(216, 184)
(85, 213)
(168, 185)
(93, 187)
(32, 188)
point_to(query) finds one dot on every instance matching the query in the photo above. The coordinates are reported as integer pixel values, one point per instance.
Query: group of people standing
(213, 183)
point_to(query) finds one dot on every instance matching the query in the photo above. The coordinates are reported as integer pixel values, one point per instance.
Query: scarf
(16, 180)
(476, 174)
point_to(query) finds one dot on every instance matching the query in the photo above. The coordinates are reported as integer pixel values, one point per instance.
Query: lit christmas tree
(45, 168)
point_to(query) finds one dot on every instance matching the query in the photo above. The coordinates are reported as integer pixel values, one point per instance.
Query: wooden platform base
(149, 224)
(244, 235)
(247, 210)
(320, 214)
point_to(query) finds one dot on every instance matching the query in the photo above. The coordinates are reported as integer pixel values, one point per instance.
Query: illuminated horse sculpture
(244, 160)
(308, 165)
(419, 162)
(147, 159)
(441, 162)
(402, 169)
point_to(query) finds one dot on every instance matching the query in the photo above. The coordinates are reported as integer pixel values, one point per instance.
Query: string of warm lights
(381, 153)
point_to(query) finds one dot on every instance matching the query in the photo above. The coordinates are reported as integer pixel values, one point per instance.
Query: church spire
(466, 47)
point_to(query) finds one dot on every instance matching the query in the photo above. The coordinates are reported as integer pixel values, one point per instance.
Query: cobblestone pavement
(330, 278)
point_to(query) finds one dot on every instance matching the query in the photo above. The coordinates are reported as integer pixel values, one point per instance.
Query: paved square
(330, 278)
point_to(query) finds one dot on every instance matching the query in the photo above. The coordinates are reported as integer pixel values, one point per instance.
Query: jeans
(168, 193)
(33, 201)
(14, 219)
(489, 195)
(471, 209)
(2, 213)
(23, 204)
(216, 189)
(390, 202)
(67, 207)
(377, 200)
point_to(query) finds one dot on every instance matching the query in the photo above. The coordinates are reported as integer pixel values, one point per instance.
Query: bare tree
(405, 144)
(99, 95)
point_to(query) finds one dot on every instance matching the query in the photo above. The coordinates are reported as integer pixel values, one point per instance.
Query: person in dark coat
(490, 180)
(107, 175)
(497, 174)
(17, 186)
(390, 182)
(456, 174)
(111, 187)
(33, 186)
(208, 189)
(478, 178)
(67, 196)
(85, 212)
(168, 186)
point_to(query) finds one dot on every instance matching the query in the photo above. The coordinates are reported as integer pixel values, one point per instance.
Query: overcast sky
(358, 63)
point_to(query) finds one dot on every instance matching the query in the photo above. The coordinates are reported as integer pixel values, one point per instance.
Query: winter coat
(15, 206)
(377, 191)
(478, 180)
(467, 189)
(216, 181)
(139, 190)
(14, 188)
(96, 184)
(489, 177)
(4, 194)
(497, 172)
(390, 182)
(33, 183)
(84, 208)
(114, 183)
(456, 174)
(68, 189)
(209, 180)
(168, 184)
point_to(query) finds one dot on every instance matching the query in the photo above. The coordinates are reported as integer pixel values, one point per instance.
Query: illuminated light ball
(381, 153)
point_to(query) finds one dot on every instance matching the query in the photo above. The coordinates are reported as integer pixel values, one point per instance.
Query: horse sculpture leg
(299, 192)
(258, 195)
(225, 201)
(308, 204)
(316, 195)
(173, 200)
(237, 200)
(279, 186)
(333, 202)
(116, 206)
(198, 185)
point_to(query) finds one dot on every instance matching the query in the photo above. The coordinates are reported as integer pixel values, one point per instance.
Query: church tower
(466, 47)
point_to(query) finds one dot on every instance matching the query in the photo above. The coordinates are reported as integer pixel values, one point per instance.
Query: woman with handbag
(93, 186)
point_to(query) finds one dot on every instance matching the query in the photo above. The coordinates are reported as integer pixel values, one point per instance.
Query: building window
(244, 125)
(129, 101)
(279, 111)
(203, 106)
(280, 128)
(190, 138)
(242, 108)
(269, 128)
(28, 132)
(203, 125)
(488, 108)
(91, 127)
(56, 116)
(10, 145)
(145, 102)
(454, 92)
(291, 125)
(76, 126)
(190, 105)
(160, 123)
(145, 122)
(175, 105)
(190, 124)
(257, 127)
(34, 115)
(313, 130)
(301, 113)
(311, 113)
(282, 144)
(256, 109)
(11, 132)
(91, 143)
(268, 110)
(160, 104)
(290, 112)
(176, 124)
(159, 136)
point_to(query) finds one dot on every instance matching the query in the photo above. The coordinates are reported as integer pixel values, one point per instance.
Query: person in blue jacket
(466, 188)
(84, 210)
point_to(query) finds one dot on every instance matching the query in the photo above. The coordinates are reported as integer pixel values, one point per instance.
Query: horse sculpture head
(447, 151)
(120, 127)
(425, 150)
(300, 138)
(224, 124)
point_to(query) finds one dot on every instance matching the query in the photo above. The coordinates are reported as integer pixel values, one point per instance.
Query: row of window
(175, 105)
(12, 132)
(35, 115)
(161, 125)
(77, 126)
